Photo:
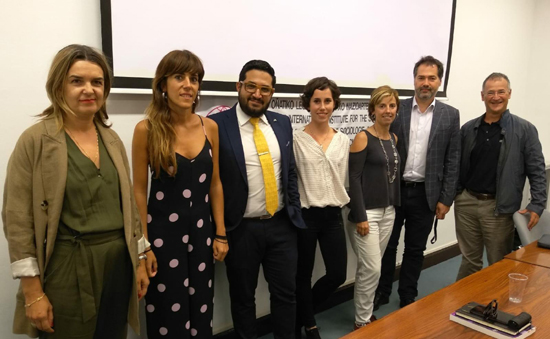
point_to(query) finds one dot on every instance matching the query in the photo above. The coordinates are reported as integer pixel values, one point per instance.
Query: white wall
(538, 76)
(485, 42)
(509, 36)
(31, 32)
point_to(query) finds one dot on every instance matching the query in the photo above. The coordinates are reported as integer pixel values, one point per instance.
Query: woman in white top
(321, 155)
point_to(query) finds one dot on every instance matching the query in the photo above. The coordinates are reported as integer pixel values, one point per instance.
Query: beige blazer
(33, 199)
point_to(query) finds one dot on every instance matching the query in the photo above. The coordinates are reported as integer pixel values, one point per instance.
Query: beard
(253, 112)
(425, 95)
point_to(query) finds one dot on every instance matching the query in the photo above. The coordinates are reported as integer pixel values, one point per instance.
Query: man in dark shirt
(499, 150)
(481, 177)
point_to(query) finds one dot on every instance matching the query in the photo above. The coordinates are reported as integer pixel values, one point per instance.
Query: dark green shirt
(92, 195)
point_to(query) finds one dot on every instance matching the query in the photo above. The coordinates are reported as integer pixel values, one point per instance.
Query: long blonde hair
(57, 78)
(161, 134)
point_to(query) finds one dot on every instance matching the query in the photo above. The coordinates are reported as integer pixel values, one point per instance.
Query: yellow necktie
(271, 194)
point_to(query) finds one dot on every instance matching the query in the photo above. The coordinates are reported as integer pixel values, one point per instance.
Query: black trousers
(325, 225)
(271, 243)
(418, 219)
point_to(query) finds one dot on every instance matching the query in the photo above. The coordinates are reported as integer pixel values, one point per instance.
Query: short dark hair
(320, 83)
(495, 76)
(259, 65)
(429, 60)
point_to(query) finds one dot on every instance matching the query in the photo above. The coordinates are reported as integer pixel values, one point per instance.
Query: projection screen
(361, 44)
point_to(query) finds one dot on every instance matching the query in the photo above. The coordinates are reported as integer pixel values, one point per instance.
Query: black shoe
(404, 302)
(298, 332)
(380, 299)
(313, 333)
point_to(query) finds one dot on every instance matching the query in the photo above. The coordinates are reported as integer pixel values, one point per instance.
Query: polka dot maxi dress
(179, 301)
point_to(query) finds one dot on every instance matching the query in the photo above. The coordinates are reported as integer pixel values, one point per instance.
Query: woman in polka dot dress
(181, 149)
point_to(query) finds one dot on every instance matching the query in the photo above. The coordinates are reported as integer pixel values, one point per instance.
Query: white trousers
(369, 250)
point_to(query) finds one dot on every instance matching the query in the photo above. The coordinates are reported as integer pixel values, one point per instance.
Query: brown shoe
(357, 326)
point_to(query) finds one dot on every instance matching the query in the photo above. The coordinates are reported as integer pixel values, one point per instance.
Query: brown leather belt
(482, 196)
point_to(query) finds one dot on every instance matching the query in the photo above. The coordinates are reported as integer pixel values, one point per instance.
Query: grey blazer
(443, 157)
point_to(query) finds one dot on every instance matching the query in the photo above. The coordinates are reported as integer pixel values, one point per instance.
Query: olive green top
(92, 196)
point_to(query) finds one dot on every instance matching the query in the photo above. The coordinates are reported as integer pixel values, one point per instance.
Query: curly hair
(320, 83)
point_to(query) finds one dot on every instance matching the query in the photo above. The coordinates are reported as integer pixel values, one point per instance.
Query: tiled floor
(338, 320)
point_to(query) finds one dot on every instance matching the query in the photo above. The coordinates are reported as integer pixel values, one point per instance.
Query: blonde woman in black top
(374, 178)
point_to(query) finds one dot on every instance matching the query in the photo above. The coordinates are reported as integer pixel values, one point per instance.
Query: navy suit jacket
(443, 156)
(233, 167)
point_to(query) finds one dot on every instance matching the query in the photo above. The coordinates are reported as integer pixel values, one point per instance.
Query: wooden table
(429, 316)
(532, 254)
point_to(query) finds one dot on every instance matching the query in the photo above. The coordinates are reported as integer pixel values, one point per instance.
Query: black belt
(482, 196)
(412, 183)
(266, 216)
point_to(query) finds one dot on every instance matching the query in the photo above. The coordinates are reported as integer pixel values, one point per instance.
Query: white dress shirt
(421, 125)
(321, 174)
(255, 205)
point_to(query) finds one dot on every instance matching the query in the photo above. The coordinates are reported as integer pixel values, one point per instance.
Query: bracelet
(142, 256)
(148, 250)
(218, 240)
(222, 237)
(35, 301)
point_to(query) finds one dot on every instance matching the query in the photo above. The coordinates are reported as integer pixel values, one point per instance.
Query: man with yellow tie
(262, 203)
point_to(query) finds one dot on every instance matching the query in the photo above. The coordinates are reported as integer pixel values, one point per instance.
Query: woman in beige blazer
(69, 215)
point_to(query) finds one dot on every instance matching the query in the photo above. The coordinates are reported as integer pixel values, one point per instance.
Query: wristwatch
(142, 256)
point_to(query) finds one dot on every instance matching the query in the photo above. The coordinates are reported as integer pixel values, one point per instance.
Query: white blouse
(321, 175)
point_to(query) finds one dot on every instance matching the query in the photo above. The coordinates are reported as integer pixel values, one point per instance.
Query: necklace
(322, 141)
(94, 159)
(391, 178)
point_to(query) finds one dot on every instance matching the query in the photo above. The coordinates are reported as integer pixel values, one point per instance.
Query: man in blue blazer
(429, 145)
(260, 221)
